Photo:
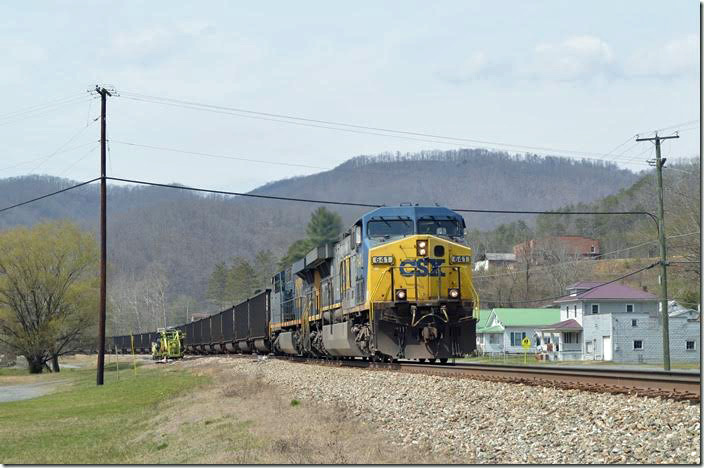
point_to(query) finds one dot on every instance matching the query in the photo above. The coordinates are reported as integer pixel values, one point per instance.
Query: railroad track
(682, 386)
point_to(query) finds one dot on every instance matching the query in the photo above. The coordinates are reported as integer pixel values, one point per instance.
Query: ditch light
(401, 295)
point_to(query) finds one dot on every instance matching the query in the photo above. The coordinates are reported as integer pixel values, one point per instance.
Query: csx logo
(422, 267)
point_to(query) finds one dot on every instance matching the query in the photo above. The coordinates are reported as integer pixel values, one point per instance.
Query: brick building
(573, 246)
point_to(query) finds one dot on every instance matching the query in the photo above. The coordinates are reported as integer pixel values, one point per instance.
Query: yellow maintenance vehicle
(169, 344)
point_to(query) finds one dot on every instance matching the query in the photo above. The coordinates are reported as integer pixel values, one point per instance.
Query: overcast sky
(579, 76)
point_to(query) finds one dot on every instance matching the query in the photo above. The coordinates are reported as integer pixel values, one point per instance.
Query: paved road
(27, 391)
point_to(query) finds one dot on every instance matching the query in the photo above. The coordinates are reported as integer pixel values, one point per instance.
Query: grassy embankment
(194, 411)
(83, 423)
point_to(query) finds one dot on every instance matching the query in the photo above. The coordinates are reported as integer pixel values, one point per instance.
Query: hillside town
(592, 321)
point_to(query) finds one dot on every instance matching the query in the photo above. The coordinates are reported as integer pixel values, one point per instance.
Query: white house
(494, 260)
(614, 322)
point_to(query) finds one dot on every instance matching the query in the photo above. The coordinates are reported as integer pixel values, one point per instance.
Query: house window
(634, 323)
(690, 344)
(595, 308)
(570, 338)
(516, 338)
(493, 338)
(629, 308)
(537, 340)
(638, 345)
(590, 347)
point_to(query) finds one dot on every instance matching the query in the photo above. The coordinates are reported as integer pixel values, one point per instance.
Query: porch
(561, 341)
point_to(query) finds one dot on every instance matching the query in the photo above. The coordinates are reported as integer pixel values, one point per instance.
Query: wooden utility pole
(659, 162)
(104, 93)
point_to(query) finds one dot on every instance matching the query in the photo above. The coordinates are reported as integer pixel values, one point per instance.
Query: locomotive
(396, 285)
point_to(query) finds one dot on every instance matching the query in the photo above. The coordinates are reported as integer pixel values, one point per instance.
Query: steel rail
(685, 386)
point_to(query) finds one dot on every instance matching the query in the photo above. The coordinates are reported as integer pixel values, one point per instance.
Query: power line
(587, 290)
(81, 158)
(11, 119)
(239, 194)
(76, 135)
(45, 156)
(563, 213)
(40, 106)
(681, 124)
(296, 120)
(16, 205)
(348, 130)
(584, 261)
(219, 156)
(368, 205)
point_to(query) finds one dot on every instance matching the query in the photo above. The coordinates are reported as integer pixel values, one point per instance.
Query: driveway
(27, 391)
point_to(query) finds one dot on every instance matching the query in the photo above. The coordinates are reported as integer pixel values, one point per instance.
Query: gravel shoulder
(469, 421)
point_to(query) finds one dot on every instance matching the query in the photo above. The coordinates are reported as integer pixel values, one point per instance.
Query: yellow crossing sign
(525, 342)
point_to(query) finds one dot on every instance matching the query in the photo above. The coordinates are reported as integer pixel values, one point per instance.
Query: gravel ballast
(490, 422)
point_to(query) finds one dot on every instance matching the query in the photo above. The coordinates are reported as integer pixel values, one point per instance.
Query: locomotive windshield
(389, 227)
(440, 227)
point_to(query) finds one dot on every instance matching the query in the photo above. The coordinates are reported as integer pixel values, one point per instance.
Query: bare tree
(48, 291)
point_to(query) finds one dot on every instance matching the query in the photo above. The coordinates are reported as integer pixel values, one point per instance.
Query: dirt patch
(240, 419)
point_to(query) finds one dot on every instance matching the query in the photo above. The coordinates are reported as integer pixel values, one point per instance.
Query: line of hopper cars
(242, 328)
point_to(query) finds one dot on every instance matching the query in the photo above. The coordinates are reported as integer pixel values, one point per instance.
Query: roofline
(585, 299)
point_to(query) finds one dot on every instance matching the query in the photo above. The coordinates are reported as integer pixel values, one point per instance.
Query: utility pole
(659, 162)
(104, 93)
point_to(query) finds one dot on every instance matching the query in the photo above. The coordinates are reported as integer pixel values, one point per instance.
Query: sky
(580, 78)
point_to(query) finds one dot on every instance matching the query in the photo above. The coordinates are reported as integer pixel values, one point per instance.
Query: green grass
(11, 371)
(85, 423)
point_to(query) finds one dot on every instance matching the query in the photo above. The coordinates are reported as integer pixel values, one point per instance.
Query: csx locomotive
(396, 285)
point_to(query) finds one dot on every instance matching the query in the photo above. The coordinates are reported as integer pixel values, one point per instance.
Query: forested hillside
(681, 200)
(168, 240)
(629, 237)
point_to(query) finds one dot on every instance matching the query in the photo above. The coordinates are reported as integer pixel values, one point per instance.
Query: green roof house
(502, 330)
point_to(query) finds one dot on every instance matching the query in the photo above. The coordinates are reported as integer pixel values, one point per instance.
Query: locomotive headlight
(383, 260)
(422, 248)
(454, 293)
(401, 295)
(460, 259)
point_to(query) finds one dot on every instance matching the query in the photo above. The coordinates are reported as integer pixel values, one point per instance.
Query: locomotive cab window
(389, 227)
(440, 227)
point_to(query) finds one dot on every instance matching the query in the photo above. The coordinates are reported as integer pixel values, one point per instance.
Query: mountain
(186, 233)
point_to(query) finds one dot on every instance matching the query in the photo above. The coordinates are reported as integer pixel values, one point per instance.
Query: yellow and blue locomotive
(398, 284)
